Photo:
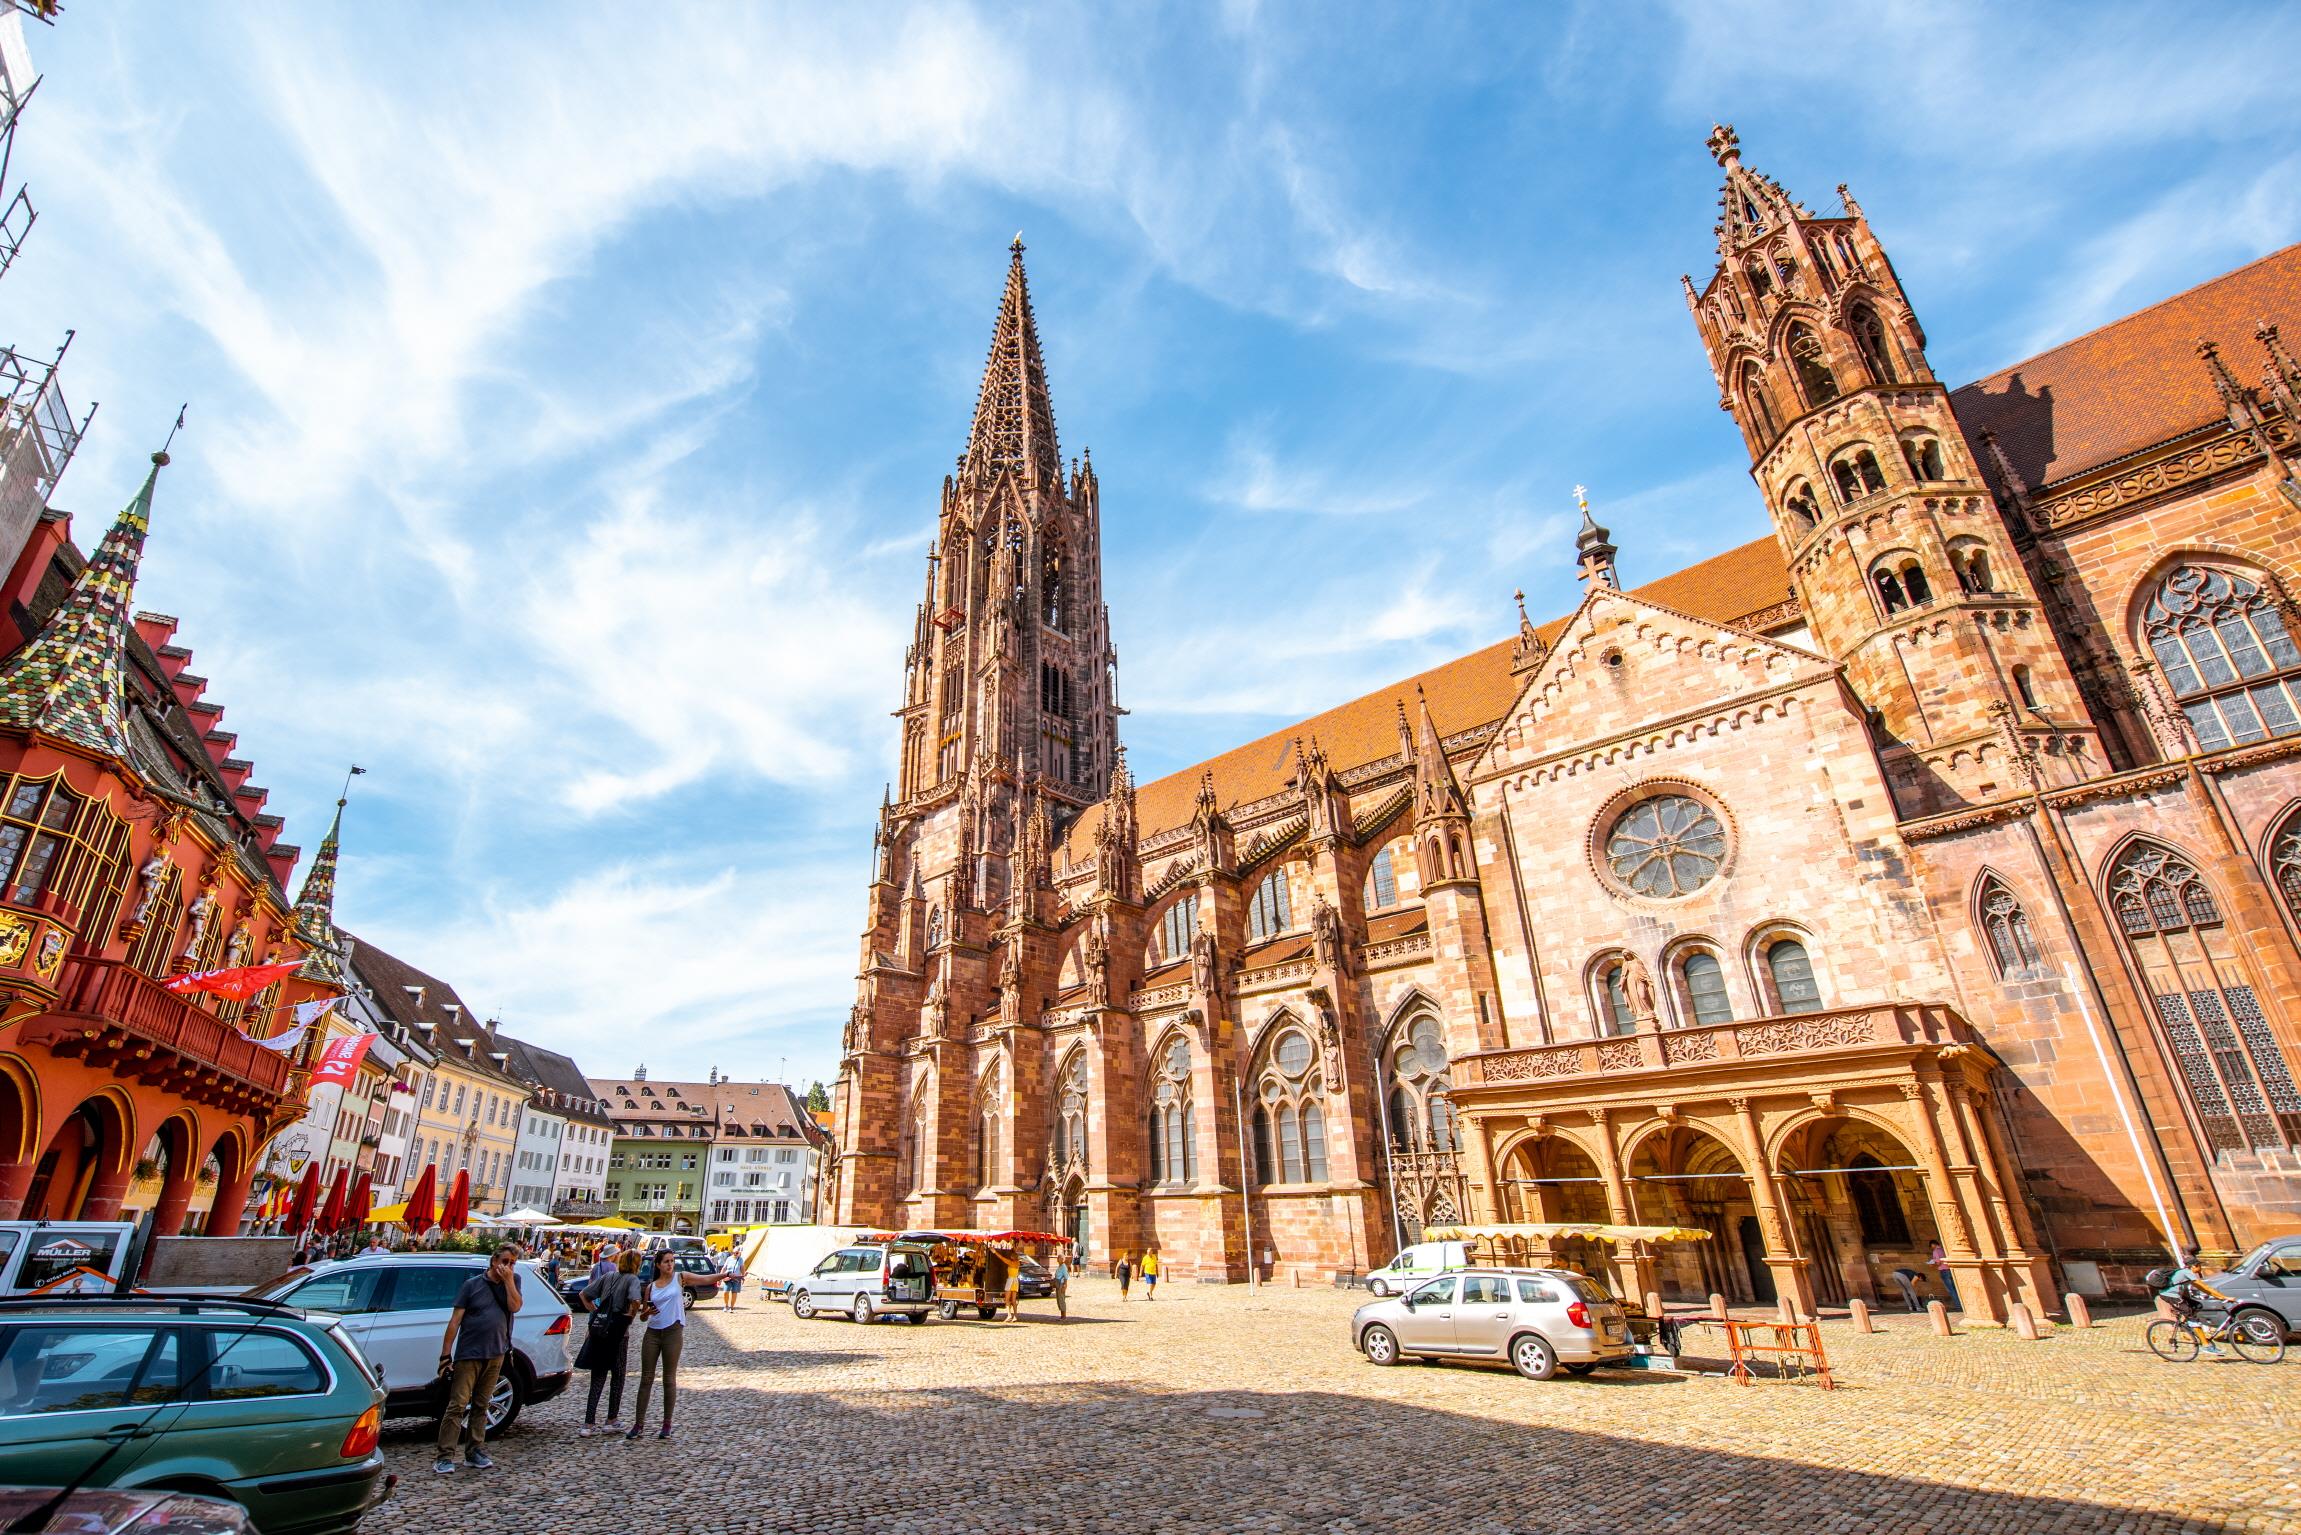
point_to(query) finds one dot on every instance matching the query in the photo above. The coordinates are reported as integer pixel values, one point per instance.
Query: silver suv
(1537, 1319)
(867, 1283)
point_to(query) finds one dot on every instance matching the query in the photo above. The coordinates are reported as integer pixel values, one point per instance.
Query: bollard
(1785, 1313)
(2074, 1304)
(1294, 1278)
(1860, 1310)
(2024, 1325)
(1938, 1314)
(1717, 1305)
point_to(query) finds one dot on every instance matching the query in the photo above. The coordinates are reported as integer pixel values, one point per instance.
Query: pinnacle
(1014, 427)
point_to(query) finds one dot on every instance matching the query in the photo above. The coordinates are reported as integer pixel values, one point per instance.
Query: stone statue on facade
(1327, 937)
(1094, 966)
(1203, 974)
(1638, 987)
(202, 912)
(154, 870)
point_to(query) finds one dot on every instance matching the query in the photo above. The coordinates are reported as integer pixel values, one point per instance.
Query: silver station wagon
(1540, 1320)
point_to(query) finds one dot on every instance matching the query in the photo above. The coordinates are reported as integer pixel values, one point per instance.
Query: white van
(1417, 1263)
(62, 1256)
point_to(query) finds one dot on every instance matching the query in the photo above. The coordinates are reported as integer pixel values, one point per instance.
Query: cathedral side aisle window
(2226, 654)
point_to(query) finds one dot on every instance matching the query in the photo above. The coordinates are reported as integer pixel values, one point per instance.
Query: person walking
(1940, 1262)
(1063, 1285)
(1015, 1289)
(730, 1279)
(472, 1352)
(1126, 1275)
(1150, 1275)
(664, 1304)
(613, 1301)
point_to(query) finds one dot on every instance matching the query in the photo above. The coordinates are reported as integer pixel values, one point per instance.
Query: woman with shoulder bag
(613, 1300)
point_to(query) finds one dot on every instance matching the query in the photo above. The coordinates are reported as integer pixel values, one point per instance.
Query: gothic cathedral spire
(1010, 663)
(1905, 569)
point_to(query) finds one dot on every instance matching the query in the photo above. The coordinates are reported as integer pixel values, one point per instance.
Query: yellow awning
(388, 1215)
(1532, 1230)
(616, 1223)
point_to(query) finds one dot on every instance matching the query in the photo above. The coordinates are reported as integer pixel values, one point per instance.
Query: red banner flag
(236, 985)
(340, 1058)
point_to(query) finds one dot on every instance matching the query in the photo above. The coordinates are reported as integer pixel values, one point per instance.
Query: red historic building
(132, 847)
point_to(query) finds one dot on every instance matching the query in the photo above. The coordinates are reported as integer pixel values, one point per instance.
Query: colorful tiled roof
(66, 684)
(2135, 382)
(1471, 690)
(316, 908)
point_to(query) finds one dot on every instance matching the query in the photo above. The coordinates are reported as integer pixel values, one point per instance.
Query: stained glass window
(2226, 654)
(1669, 845)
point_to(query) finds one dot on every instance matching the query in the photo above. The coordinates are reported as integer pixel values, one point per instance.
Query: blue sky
(570, 385)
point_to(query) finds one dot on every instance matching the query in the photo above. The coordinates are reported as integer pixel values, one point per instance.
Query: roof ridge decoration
(66, 683)
(1014, 426)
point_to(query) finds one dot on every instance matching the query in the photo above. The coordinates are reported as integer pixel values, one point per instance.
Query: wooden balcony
(111, 1015)
(1839, 1032)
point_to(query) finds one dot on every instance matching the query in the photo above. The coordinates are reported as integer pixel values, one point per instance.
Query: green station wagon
(265, 1405)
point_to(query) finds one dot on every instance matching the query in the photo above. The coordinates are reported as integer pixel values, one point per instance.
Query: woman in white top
(663, 1303)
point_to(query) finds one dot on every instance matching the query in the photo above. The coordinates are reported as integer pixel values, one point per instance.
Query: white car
(395, 1308)
(1424, 1260)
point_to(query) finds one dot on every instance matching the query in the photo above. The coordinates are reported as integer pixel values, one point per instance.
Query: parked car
(867, 1283)
(395, 1308)
(107, 1511)
(698, 1271)
(1414, 1264)
(2265, 1284)
(268, 1406)
(34, 1254)
(1535, 1319)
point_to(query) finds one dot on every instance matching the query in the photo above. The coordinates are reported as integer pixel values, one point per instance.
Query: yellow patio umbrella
(618, 1223)
(388, 1215)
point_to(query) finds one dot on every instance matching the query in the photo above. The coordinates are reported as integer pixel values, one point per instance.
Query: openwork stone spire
(66, 684)
(1014, 419)
(316, 907)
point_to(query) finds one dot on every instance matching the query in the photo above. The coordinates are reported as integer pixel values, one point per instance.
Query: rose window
(1670, 845)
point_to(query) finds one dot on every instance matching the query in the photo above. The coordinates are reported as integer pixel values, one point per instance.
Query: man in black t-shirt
(478, 1337)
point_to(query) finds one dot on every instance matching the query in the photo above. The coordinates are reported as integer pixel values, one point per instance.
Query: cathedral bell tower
(1904, 568)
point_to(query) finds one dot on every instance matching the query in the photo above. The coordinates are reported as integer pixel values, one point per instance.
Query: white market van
(60, 1256)
(777, 1257)
(1424, 1260)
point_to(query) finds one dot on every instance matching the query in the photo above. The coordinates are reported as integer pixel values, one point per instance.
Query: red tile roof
(2134, 382)
(1475, 689)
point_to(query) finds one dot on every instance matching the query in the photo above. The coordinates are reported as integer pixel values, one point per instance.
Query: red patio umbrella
(363, 1200)
(332, 1211)
(307, 1195)
(419, 1217)
(458, 1214)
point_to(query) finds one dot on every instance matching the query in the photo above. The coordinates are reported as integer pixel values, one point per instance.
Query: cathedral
(1928, 872)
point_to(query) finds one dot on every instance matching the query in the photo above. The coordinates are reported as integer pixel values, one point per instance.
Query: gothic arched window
(1178, 927)
(1289, 1124)
(1381, 883)
(1421, 1110)
(1791, 970)
(989, 1119)
(934, 927)
(2237, 1076)
(2012, 946)
(1705, 981)
(1815, 379)
(1051, 607)
(1173, 1151)
(1870, 340)
(1268, 915)
(1071, 1112)
(1759, 405)
(1761, 279)
(1614, 994)
(2222, 643)
(1900, 583)
(2285, 864)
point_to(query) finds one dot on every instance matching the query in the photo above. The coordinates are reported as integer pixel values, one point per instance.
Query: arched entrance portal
(1681, 1176)
(1075, 1219)
(84, 1171)
(1858, 1195)
(1553, 1179)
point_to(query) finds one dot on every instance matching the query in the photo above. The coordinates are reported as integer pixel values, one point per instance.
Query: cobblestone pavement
(1215, 1409)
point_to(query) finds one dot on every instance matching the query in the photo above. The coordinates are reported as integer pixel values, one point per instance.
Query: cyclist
(2187, 1292)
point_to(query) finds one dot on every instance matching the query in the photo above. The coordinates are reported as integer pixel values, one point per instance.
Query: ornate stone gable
(1625, 665)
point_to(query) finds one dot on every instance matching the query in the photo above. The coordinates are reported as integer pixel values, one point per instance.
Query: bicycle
(2180, 1339)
